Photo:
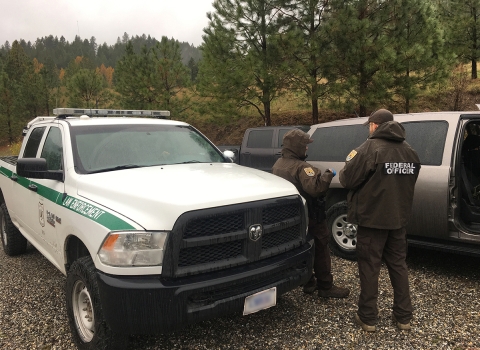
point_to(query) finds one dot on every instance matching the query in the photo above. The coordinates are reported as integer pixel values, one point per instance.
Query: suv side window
(260, 139)
(33, 142)
(335, 143)
(428, 139)
(53, 150)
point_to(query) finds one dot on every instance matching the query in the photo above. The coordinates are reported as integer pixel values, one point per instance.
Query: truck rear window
(260, 139)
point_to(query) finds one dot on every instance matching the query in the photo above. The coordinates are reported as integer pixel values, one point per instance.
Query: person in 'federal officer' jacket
(312, 185)
(381, 176)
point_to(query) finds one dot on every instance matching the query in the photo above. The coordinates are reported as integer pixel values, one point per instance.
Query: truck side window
(281, 134)
(53, 150)
(428, 139)
(33, 142)
(260, 139)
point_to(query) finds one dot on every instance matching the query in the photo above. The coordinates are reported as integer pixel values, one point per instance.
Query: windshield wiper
(118, 167)
(190, 161)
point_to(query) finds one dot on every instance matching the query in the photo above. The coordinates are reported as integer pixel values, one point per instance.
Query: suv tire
(344, 234)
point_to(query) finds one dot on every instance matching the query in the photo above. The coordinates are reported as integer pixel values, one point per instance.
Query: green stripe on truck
(85, 209)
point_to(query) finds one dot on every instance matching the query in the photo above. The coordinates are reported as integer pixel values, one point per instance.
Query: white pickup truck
(152, 225)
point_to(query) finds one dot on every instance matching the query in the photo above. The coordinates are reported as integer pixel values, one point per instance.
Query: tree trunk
(268, 121)
(474, 69)
(363, 90)
(407, 95)
(314, 103)
(10, 133)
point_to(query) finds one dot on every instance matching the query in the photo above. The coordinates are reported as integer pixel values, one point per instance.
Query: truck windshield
(99, 148)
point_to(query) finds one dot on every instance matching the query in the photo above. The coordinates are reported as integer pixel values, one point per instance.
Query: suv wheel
(344, 234)
(13, 241)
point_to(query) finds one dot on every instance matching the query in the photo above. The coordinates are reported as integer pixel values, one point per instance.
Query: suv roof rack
(68, 112)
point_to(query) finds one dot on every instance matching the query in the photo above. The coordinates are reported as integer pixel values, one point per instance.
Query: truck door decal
(41, 214)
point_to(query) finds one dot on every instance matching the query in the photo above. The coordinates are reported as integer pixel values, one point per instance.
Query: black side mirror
(36, 168)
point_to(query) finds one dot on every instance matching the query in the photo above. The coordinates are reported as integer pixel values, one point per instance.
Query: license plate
(260, 301)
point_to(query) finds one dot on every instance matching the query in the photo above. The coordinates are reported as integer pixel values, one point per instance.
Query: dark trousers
(322, 265)
(372, 246)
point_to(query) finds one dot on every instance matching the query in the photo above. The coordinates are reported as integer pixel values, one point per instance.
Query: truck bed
(10, 159)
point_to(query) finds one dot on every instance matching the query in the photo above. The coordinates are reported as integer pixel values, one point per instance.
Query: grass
(10, 150)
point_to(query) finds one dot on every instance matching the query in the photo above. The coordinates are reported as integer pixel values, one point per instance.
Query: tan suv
(446, 208)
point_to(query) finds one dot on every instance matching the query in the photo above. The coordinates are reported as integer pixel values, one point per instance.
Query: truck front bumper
(152, 304)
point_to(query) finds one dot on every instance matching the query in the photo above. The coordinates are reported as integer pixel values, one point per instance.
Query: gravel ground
(445, 291)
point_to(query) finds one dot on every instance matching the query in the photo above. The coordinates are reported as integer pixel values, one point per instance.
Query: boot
(401, 326)
(365, 327)
(311, 285)
(334, 292)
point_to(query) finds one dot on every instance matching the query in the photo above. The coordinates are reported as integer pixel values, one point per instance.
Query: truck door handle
(33, 188)
(14, 178)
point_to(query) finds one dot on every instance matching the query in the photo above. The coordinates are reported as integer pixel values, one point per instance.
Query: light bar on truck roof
(111, 112)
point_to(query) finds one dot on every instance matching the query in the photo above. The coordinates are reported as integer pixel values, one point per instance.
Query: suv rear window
(333, 144)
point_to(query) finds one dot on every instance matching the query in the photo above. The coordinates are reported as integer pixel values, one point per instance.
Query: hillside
(232, 133)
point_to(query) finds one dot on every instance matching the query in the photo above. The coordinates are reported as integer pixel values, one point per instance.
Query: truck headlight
(133, 248)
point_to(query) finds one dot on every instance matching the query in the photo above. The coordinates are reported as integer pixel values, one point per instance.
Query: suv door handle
(14, 178)
(33, 188)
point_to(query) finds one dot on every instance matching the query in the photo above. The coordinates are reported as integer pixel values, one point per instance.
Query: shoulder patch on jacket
(309, 171)
(351, 155)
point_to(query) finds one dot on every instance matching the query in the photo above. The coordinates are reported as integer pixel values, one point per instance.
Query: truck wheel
(344, 234)
(84, 310)
(13, 241)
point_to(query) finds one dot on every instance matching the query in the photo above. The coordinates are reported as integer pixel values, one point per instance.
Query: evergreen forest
(340, 56)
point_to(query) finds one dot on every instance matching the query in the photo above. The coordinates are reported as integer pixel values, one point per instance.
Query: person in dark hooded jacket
(381, 176)
(312, 185)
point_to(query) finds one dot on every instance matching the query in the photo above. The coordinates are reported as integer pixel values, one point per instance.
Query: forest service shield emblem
(351, 155)
(309, 171)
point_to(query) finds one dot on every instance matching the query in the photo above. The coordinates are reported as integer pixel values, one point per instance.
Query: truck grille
(218, 238)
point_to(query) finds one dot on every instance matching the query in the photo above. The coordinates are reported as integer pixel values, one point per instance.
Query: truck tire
(13, 241)
(344, 234)
(84, 310)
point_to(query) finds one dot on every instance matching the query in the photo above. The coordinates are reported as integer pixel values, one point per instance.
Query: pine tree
(308, 46)
(462, 18)
(14, 91)
(85, 88)
(172, 75)
(363, 56)
(153, 78)
(243, 62)
(418, 40)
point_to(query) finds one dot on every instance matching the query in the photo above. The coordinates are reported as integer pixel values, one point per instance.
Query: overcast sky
(106, 20)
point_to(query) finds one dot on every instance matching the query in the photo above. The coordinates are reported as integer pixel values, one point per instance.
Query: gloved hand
(333, 172)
